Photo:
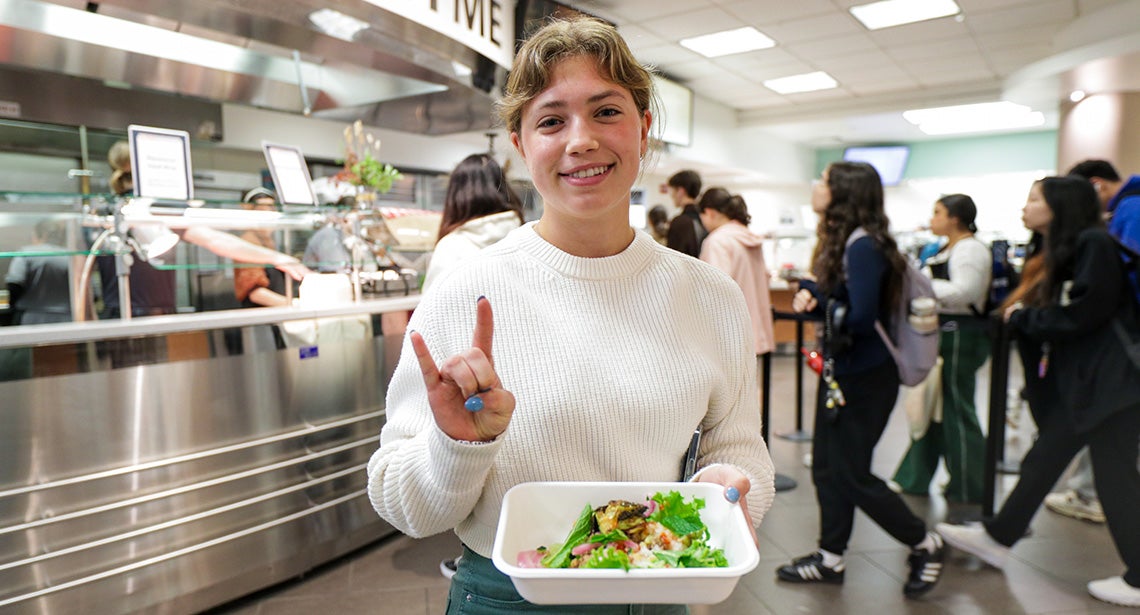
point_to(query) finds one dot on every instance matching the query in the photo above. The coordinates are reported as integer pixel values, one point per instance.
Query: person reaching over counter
(259, 286)
(533, 360)
(153, 289)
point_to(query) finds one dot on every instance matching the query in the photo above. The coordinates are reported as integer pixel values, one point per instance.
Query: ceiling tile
(692, 23)
(765, 61)
(634, 11)
(980, 76)
(691, 71)
(667, 55)
(814, 28)
(916, 33)
(763, 13)
(1011, 59)
(1021, 16)
(640, 38)
(961, 46)
(821, 95)
(883, 86)
(971, 7)
(882, 72)
(835, 47)
(857, 61)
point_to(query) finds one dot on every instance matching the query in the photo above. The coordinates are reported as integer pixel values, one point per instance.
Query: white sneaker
(1116, 591)
(974, 540)
(1071, 504)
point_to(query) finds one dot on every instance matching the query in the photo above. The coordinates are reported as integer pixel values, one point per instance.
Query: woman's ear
(646, 122)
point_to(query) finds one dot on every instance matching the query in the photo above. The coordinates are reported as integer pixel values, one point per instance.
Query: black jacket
(1094, 376)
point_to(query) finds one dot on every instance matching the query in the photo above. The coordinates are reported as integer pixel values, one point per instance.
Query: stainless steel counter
(170, 464)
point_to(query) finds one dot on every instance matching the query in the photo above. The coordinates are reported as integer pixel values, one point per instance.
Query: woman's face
(1036, 215)
(820, 194)
(940, 222)
(582, 139)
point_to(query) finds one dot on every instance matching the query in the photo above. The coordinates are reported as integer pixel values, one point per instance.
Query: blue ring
(473, 403)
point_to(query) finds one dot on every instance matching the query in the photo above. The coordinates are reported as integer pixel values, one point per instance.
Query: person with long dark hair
(960, 272)
(478, 210)
(1076, 314)
(855, 287)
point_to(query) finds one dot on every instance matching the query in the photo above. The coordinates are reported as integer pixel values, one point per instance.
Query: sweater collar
(629, 261)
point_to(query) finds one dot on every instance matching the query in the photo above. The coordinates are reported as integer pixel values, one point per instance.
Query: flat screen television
(888, 160)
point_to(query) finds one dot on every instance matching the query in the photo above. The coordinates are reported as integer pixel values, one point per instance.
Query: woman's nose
(581, 137)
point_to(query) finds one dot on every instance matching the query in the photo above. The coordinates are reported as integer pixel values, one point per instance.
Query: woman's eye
(549, 122)
(609, 112)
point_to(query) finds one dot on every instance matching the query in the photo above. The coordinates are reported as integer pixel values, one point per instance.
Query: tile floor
(1046, 573)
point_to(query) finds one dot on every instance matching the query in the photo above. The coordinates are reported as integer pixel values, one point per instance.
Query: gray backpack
(911, 336)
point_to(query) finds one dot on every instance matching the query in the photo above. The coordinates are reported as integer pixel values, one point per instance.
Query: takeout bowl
(535, 514)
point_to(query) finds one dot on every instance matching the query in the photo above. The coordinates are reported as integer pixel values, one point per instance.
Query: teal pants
(478, 588)
(964, 347)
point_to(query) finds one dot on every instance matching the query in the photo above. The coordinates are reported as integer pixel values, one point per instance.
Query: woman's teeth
(583, 174)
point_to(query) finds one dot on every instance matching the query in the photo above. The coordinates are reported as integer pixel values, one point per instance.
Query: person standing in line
(739, 252)
(961, 273)
(1072, 315)
(686, 232)
(853, 289)
(580, 385)
(478, 211)
(1121, 202)
(39, 286)
(658, 219)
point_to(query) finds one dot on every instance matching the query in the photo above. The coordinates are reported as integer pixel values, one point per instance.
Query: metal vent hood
(392, 73)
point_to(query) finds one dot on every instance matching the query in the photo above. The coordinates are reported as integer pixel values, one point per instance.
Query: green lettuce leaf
(560, 558)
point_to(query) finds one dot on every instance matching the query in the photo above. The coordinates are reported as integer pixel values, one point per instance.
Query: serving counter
(172, 463)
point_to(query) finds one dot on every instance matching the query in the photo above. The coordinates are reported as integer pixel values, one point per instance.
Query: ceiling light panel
(890, 13)
(981, 117)
(807, 82)
(728, 42)
(337, 24)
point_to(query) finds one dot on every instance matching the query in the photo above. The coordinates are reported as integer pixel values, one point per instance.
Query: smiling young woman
(580, 354)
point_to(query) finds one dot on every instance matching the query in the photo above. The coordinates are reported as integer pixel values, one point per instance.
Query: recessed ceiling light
(888, 13)
(807, 82)
(1077, 96)
(337, 24)
(728, 42)
(981, 117)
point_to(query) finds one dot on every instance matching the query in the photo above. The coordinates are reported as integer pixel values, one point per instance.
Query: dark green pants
(964, 347)
(478, 588)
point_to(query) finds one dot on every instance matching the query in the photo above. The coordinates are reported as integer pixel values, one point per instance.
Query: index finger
(484, 327)
(423, 355)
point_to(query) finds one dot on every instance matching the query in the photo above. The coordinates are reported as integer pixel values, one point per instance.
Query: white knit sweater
(613, 362)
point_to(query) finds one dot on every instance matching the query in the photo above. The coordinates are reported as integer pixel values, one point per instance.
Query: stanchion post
(799, 435)
(995, 439)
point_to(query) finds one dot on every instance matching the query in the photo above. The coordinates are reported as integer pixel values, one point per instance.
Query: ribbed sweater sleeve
(613, 362)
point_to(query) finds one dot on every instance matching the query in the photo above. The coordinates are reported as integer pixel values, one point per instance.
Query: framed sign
(290, 174)
(160, 163)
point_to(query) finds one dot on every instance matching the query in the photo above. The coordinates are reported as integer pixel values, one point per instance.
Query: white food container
(536, 514)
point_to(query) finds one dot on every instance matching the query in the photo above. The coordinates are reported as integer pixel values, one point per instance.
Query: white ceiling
(953, 60)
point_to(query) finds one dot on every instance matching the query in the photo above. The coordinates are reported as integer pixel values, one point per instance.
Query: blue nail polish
(481, 297)
(475, 404)
(732, 495)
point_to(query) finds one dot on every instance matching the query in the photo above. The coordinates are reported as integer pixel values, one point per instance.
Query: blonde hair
(119, 157)
(569, 38)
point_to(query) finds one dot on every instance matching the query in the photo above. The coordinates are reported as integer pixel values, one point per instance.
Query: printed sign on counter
(160, 163)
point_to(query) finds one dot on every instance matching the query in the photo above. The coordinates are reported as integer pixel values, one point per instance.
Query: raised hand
(459, 377)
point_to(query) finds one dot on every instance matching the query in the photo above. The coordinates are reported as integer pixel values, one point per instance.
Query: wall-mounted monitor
(676, 126)
(889, 160)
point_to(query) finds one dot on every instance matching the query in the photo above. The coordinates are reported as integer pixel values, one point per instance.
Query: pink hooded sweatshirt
(737, 251)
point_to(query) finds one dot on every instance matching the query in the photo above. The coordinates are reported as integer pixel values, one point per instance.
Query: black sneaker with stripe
(810, 569)
(925, 568)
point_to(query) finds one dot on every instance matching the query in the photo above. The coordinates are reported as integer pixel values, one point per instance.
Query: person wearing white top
(580, 385)
(961, 273)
